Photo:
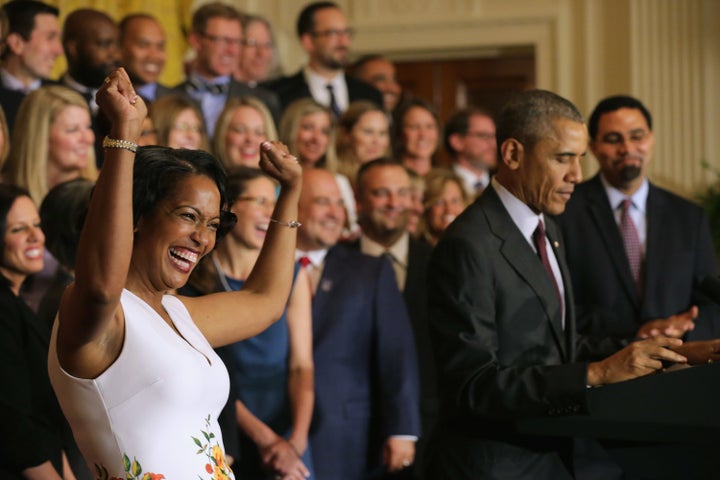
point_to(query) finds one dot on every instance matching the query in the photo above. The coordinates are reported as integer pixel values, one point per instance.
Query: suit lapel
(655, 240)
(520, 255)
(601, 213)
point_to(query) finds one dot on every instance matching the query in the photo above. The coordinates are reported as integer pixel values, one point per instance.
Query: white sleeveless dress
(153, 413)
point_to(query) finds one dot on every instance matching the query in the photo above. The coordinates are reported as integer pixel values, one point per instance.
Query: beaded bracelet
(290, 224)
(114, 143)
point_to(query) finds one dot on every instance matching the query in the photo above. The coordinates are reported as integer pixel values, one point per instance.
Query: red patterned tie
(540, 245)
(631, 240)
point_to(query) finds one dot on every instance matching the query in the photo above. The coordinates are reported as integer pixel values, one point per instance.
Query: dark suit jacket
(32, 427)
(238, 89)
(679, 252)
(501, 349)
(366, 380)
(294, 87)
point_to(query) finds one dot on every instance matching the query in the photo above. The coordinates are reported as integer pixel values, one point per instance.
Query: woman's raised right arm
(90, 326)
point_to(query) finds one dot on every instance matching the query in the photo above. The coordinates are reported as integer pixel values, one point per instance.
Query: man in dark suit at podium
(672, 234)
(501, 308)
(326, 37)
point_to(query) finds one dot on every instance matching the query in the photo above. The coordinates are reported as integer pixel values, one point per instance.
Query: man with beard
(384, 198)
(651, 288)
(635, 251)
(366, 386)
(90, 40)
(470, 141)
(326, 37)
(142, 50)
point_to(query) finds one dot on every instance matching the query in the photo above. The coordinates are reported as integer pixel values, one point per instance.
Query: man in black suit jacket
(324, 34)
(142, 53)
(675, 234)
(366, 384)
(501, 308)
(33, 45)
(383, 201)
(216, 38)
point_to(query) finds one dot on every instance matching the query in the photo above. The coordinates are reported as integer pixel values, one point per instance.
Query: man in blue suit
(366, 384)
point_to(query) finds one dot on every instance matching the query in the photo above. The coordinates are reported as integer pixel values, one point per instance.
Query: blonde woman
(243, 125)
(445, 199)
(52, 141)
(179, 123)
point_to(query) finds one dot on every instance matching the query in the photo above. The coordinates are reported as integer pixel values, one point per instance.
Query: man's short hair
(306, 19)
(527, 117)
(21, 15)
(459, 122)
(610, 104)
(128, 19)
(213, 10)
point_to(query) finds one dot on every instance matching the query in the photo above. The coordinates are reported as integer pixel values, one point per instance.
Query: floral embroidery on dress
(133, 471)
(216, 465)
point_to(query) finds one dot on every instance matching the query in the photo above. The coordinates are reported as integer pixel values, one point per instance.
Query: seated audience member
(273, 371)
(445, 199)
(243, 125)
(258, 57)
(36, 437)
(142, 53)
(62, 214)
(366, 385)
(178, 123)
(469, 139)
(363, 134)
(416, 135)
(379, 72)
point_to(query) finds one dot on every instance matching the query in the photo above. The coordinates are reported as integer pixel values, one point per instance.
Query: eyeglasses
(187, 127)
(334, 33)
(252, 43)
(222, 39)
(481, 135)
(262, 202)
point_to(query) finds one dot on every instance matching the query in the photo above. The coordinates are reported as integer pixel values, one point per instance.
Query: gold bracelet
(114, 143)
(290, 224)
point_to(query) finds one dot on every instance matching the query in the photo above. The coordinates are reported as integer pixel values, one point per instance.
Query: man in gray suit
(501, 308)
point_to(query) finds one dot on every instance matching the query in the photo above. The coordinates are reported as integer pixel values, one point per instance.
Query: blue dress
(260, 375)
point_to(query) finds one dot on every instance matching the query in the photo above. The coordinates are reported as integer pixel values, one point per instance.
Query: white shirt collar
(616, 197)
(522, 216)
(318, 88)
(317, 257)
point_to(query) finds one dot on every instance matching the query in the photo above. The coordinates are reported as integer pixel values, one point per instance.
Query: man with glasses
(324, 34)
(470, 142)
(217, 37)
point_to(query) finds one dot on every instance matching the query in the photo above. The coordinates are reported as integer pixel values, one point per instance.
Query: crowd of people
(280, 276)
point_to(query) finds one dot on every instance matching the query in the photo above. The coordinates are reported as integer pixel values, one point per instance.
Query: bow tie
(212, 88)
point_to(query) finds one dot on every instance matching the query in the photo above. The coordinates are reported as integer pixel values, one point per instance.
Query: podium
(662, 426)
